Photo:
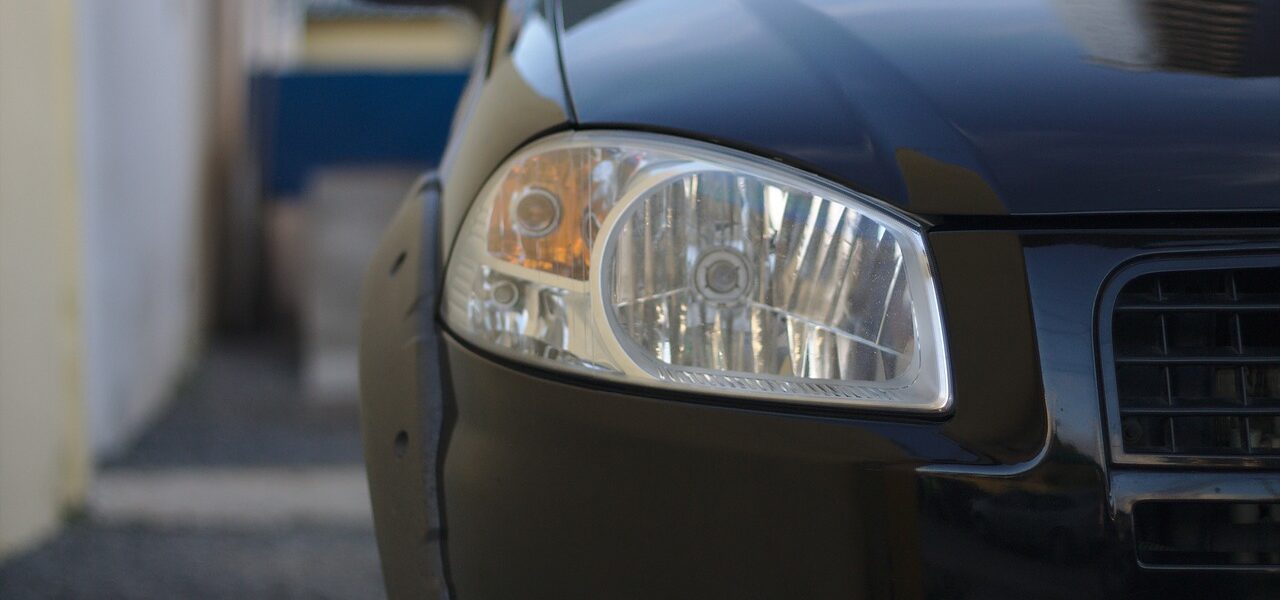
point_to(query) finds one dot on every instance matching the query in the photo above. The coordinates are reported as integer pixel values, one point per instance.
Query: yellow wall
(43, 460)
(406, 43)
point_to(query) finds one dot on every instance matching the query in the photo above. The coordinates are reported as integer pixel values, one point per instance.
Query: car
(1033, 523)
(839, 299)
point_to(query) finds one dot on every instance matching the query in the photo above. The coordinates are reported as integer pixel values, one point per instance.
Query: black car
(839, 299)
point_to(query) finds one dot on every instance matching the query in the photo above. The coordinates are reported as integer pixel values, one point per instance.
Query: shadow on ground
(241, 411)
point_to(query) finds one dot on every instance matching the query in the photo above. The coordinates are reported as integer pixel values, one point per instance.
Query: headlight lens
(672, 263)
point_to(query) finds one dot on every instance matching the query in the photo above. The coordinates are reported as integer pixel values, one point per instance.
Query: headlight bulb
(722, 275)
(536, 213)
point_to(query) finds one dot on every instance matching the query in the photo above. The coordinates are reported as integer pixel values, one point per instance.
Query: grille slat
(1196, 363)
(1173, 307)
(1202, 411)
(1202, 359)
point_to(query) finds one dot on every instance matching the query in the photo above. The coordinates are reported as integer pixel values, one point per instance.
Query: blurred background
(189, 193)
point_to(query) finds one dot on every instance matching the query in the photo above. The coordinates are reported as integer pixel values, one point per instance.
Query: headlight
(670, 263)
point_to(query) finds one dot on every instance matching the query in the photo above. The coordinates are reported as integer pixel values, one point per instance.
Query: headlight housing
(676, 264)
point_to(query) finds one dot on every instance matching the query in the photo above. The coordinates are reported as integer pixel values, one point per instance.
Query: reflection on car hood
(955, 107)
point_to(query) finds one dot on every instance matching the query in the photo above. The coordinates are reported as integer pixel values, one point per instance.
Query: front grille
(1195, 358)
(1236, 534)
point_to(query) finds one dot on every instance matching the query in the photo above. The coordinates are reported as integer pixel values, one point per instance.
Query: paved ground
(96, 561)
(244, 406)
(241, 490)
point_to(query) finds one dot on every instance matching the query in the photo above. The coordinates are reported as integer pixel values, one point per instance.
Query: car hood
(954, 107)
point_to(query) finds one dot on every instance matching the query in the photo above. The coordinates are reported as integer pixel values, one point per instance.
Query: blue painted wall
(304, 120)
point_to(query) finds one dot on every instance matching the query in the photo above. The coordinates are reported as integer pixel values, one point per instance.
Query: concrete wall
(43, 462)
(145, 68)
(104, 116)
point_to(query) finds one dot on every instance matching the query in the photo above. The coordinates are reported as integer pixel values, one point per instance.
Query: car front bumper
(498, 480)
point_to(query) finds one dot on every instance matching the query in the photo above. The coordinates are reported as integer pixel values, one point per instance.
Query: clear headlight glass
(676, 264)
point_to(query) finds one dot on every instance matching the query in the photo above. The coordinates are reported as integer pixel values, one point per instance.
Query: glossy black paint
(567, 489)
(961, 107)
(1001, 132)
